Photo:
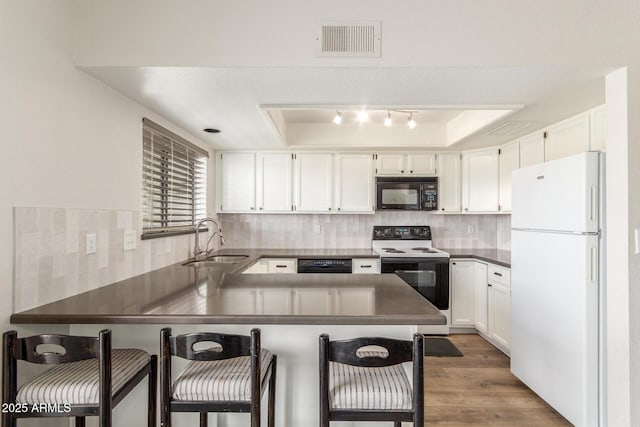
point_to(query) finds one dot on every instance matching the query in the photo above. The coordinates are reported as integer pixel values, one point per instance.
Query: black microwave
(414, 194)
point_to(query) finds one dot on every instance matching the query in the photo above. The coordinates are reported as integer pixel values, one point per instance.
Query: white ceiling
(230, 98)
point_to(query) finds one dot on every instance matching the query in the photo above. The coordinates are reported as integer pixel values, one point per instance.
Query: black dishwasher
(314, 265)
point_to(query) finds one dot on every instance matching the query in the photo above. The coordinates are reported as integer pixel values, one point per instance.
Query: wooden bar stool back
(360, 383)
(90, 378)
(230, 374)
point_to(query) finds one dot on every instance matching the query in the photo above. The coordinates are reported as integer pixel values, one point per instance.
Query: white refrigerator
(556, 283)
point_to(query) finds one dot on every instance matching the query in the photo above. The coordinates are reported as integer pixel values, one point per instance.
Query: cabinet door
(390, 164)
(312, 302)
(480, 296)
(449, 179)
(480, 181)
(354, 183)
(567, 137)
(238, 175)
(421, 164)
(313, 182)
(499, 316)
(462, 304)
(509, 160)
(273, 185)
(532, 149)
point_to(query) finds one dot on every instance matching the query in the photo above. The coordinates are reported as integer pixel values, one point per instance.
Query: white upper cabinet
(274, 182)
(406, 164)
(480, 181)
(449, 180)
(509, 160)
(238, 182)
(354, 183)
(421, 164)
(567, 137)
(313, 182)
(390, 164)
(532, 149)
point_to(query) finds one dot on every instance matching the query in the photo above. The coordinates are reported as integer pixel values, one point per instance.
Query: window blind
(174, 178)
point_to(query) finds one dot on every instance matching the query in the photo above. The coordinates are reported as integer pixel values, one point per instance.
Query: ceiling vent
(508, 128)
(348, 39)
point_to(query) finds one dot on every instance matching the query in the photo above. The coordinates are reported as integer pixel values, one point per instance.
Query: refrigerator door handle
(593, 264)
(593, 202)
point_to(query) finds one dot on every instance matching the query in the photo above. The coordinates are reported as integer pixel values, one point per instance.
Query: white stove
(407, 252)
(404, 242)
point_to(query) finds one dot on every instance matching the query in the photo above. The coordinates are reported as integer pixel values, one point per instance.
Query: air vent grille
(348, 39)
(508, 128)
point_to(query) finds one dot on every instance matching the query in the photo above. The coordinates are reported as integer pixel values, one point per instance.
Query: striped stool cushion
(226, 380)
(78, 383)
(355, 387)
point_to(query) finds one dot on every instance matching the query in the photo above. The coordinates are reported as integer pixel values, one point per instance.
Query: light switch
(91, 244)
(316, 228)
(129, 240)
(471, 229)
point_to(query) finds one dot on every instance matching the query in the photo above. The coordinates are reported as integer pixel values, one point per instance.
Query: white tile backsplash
(354, 231)
(50, 252)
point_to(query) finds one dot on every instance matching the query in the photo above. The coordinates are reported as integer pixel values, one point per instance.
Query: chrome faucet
(196, 249)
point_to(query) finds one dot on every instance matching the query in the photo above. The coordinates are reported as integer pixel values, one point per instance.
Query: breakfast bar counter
(222, 294)
(291, 310)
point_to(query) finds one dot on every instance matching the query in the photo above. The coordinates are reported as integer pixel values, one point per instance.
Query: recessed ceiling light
(411, 123)
(363, 116)
(211, 130)
(387, 121)
(338, 118)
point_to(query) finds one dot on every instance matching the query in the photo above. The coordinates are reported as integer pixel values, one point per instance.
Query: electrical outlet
(91, 244)
(317, 229)
(471, 229)
(129, 240)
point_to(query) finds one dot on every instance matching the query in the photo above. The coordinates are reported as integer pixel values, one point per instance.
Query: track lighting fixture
(411, 123)
(387, 121)
(338, 118)
(363, 115)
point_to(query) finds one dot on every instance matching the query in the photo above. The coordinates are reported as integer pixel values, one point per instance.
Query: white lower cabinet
(480, 296)
(365, 266)
(273, 265)
(462, 291)
(481, 299)
(312, 302)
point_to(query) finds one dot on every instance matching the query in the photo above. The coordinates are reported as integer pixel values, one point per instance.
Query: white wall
(67, 140)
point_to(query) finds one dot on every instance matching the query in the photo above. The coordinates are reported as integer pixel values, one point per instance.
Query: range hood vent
(508, 128)
(348, 39)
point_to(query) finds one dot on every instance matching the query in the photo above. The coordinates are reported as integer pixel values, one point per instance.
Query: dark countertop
(494, 256)
(223, 295)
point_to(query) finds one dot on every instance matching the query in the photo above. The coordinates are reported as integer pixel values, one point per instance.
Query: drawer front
(499, 275)
(365, 266)
(282, 265)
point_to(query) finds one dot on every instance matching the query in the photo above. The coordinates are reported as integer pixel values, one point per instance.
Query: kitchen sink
(216, 260)
(227, 258)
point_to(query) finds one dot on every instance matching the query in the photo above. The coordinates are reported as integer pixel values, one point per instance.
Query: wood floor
(479, 390)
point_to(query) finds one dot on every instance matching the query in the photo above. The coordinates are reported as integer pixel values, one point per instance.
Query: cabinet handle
(281, 266)
(329, 208)
(466, 209)
(339, 208)
(442, 209)
(453, 263)
(261, 208)
(402, 171)
(489, 284)
(365, 266)
(410, 171)
(252, 208)
(497, 274)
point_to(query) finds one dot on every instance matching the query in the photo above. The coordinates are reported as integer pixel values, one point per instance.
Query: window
(174, 182)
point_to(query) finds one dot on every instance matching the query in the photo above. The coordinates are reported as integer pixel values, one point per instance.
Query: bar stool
(90, 379)
(370, 385)
(229, 374)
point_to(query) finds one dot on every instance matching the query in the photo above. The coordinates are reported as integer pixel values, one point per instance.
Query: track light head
(338, 118)
(387, 121)
(411, 123)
